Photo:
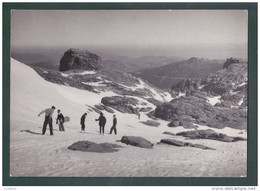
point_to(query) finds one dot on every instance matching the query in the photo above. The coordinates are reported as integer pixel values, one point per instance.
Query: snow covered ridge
(103, 81)
(31, 152)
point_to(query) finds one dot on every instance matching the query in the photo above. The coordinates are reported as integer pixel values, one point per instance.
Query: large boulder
(210, 134)
(77, 59)
(87, 146)
(137, 141)
(173, 142)
(122, 104)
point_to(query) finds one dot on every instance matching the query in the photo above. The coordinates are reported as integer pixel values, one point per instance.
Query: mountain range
(168, 75)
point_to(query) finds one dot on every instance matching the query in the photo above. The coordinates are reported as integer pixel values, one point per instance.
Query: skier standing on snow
(48, 119)
(102, 122)
(82, 121)
(60, 121)
(114, 125)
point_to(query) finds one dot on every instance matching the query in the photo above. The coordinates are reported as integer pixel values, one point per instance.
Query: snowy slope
(33, 154)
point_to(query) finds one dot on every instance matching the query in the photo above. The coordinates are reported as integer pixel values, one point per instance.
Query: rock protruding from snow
(145, 109)
(137, 141)
(102, 107)
(151, 123)
(77, 59)
(183, 144)
(185, 111)
(87, 146)
(168, 133)
(210, 134)
(122, 104)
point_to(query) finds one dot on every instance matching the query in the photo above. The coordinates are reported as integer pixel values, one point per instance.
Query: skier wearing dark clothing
(102, 122)
(60, 121)
(114, 125)
(48, 119)
(82, 121)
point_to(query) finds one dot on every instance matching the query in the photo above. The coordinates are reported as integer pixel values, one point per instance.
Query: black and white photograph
(129, 93)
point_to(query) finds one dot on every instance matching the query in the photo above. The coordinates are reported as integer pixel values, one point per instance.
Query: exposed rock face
(174, 123)
(137, 141)
(230, 61)
(83, 60)
(187, 85)
(154, 101)
(102, 107)
(122, 104)
(183, 144)
(187, 110)
(230, 83)
(229, 79)
(173, 142)
(210, 134)
(151, 123)
(145, 109)
(87, 146)
(168, 133)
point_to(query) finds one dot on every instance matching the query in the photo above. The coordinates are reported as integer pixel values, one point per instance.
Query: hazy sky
(121, 28)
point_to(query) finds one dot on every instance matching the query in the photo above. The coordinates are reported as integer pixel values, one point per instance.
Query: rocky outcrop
(187, 85)
(151, 123)
(145, 109)
(87, 146)
(122, 104)
(183, 144)
(174, 123)
(210, 134)
(137, 142)
(77, 59)
(168, 133)
(227, 80)
(231, 61)
(155, 101)
(188, 110)
(57, 78)
(102, 107)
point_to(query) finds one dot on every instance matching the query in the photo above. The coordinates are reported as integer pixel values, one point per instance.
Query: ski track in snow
(35, 155)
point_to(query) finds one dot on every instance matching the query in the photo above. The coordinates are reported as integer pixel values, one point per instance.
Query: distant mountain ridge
(168, 75)
(49, 58)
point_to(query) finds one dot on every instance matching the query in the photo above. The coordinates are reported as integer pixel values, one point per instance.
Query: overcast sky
(122, 28)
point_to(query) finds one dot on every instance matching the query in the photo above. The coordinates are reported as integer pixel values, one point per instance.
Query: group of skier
(60, 121)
